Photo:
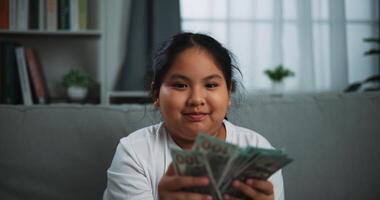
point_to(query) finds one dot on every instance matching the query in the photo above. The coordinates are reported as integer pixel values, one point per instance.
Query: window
(320, 40)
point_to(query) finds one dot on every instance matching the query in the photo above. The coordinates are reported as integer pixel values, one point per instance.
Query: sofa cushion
(333, 138)
(60, 152)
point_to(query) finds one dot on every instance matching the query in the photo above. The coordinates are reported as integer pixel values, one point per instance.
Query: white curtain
(320, 40)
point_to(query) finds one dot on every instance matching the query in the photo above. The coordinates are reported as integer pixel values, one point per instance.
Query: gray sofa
(63, 151)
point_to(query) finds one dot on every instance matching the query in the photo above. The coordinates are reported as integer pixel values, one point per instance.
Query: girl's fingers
(265, 187)
(229, 197)
(171, 185)
(170, 171)
(174, 183)
(190, 196)
(246, 189)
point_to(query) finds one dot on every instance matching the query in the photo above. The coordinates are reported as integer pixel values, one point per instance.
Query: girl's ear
(156, 103)
(154, 94)
(229, 97)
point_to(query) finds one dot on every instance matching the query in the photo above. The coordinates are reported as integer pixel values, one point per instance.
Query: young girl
(192, 85)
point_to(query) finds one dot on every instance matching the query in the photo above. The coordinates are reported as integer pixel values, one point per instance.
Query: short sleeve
(278, 185)
(126, 177)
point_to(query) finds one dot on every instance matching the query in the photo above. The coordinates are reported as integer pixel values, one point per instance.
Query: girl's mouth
(195, 117)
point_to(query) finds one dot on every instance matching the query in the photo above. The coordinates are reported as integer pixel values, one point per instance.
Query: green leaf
(279, 73)
(76, 77)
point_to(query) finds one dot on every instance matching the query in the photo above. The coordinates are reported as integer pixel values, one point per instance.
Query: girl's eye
(179, 85)
(211, 85)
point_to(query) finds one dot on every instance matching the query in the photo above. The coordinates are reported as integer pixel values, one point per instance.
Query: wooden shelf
(95, 33)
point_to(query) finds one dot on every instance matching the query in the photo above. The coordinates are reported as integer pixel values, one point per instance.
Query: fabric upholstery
(63, 151)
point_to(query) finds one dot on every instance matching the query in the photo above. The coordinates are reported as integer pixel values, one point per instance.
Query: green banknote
(190, 163)
(262, 166)
(244, 155)
(217, 153)
(223, 163)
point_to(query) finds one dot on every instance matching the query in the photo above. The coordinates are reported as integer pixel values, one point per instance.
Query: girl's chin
(196, 129)
(193, 134)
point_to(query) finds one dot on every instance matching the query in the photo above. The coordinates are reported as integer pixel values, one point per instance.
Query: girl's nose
(196, 97)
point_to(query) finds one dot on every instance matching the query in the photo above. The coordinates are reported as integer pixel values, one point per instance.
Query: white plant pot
(77, 93)
(278, 87)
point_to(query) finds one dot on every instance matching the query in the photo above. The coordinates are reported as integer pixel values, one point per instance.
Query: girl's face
(193, 97)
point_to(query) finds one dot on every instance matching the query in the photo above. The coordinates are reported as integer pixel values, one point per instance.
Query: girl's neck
(221, 134)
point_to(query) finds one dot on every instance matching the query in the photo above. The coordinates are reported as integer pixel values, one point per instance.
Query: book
(51, 15)
(10, 85)
(42, 14)
(22, 14)
(37, 76)
(63, 14)
(23, 75)
(1, 69)
(33, 21)
(83, 12)
(4, 14)
(74, 15)
(12, 14)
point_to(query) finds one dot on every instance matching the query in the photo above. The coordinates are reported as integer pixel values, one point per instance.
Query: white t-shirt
(141, 159)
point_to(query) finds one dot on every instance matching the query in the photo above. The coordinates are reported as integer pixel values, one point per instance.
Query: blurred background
(321, 41)
(325, 45)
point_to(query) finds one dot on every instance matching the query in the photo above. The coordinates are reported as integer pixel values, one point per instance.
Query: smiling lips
(195, 117)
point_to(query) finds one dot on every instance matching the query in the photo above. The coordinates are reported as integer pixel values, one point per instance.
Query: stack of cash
(223, 162)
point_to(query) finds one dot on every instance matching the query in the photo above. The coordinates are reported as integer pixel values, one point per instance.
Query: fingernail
(207, 197)
(249, 181)
(204, 181)
(226, 196)
(236, 183)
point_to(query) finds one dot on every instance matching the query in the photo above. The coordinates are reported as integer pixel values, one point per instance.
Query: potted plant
(372, 82)
(277, 75)
(77, 83)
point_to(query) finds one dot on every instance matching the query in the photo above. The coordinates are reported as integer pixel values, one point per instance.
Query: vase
(278, 87)
(77, 93)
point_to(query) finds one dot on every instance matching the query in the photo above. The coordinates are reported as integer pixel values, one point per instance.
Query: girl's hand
(171, 185)
(254, 189)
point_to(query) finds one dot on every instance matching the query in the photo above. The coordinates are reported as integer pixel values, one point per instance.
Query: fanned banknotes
(223, 162)
(195, 164)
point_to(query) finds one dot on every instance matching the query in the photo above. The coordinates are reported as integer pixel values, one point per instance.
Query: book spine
(74, 15)
(22, 14)
(51, 15)
(10, 85)
(4, 14)
(37, 75)
(63, 14)
(13, 14)
(83, 13)
(2, 58)
(33, 14)
(41, 14)
(23, 75)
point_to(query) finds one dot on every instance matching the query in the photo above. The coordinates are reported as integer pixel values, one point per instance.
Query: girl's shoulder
(142, 136)
(245, 137)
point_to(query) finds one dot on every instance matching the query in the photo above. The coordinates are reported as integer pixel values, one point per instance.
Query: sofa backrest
(63, 151)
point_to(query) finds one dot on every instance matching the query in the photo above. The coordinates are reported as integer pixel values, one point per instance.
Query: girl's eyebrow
(180, 76)
(214, 76)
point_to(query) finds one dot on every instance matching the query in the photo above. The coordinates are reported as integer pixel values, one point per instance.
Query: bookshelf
(95, 33)
(61, 50)
(99, 49)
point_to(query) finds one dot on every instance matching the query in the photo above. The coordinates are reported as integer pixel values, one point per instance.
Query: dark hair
(167, 53)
